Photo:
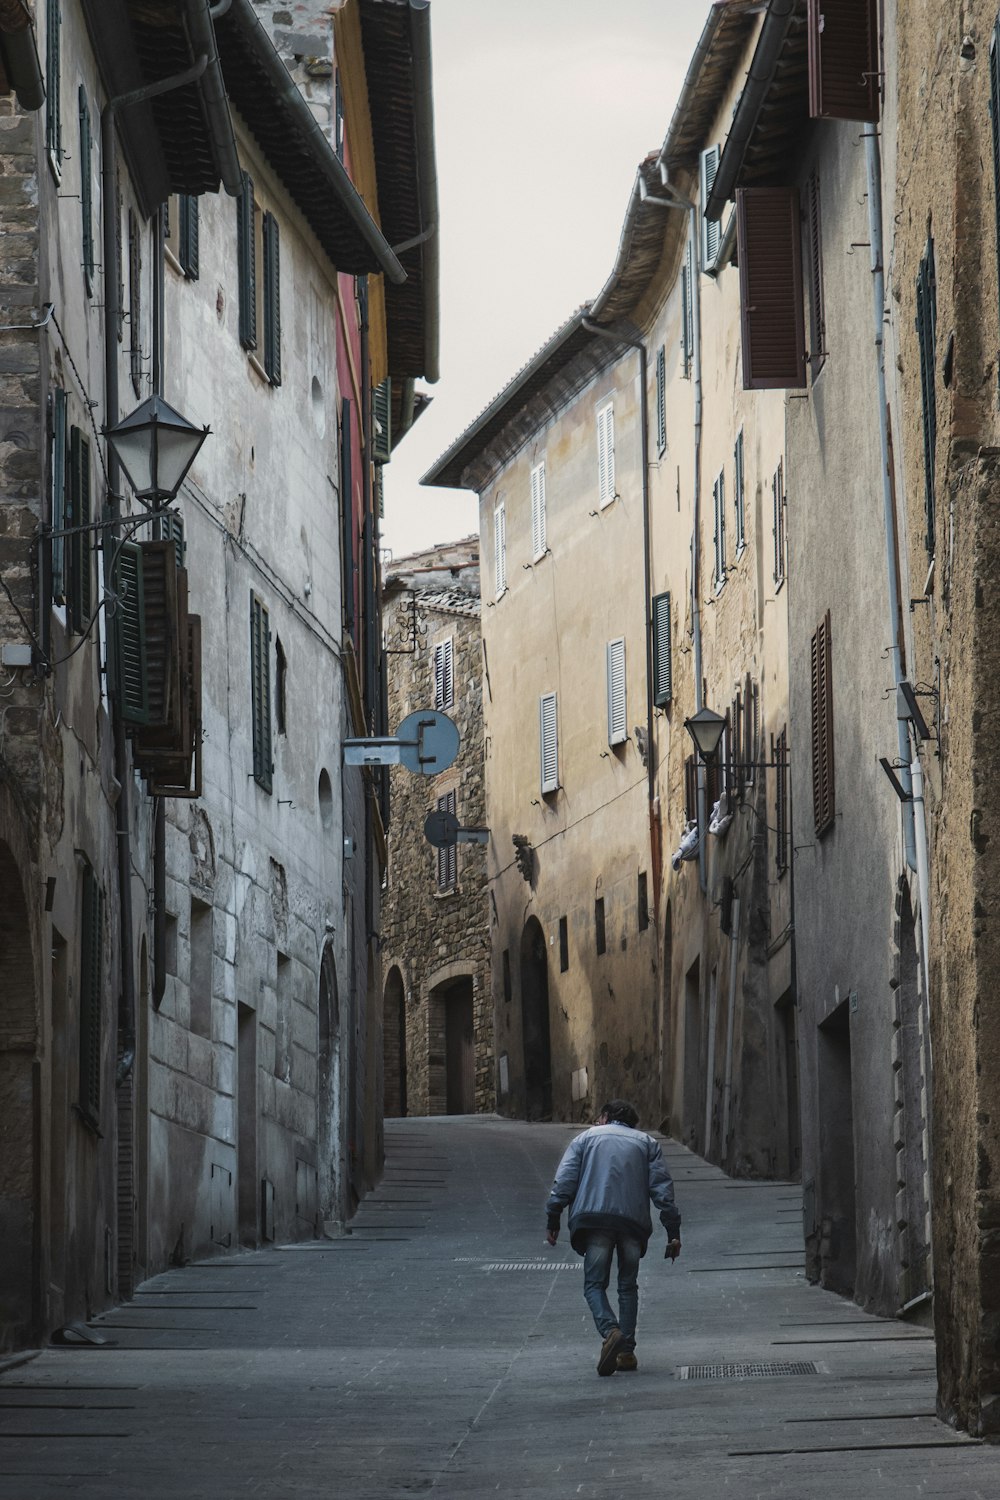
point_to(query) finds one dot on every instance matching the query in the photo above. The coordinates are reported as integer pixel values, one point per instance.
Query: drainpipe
(874, 165)
(200, 16)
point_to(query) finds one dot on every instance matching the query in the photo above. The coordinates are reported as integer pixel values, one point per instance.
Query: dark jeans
(601, 1245)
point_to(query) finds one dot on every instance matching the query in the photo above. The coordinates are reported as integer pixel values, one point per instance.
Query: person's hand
(551, 1236)
(673, 1249)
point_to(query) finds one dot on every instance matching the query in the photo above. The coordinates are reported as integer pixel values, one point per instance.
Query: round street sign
(428, 741)
(441, 829)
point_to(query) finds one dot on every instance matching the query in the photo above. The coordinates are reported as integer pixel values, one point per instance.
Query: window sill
(447, 895)
(172, 261)
(88, 1121)
(258, 368)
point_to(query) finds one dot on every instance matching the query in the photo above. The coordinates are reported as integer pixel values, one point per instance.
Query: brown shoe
(626, 1361)
(610, 1350)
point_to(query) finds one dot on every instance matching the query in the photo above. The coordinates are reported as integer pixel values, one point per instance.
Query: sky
(543, 110)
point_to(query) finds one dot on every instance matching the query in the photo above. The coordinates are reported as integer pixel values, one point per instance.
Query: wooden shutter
(771, 314)
(822, 728)
(662, 659)
(53, 100)
(780, 756)
(817, 314)
(687, 307)
(739, 494)
(129, 634)
(691, 789)
(606, 453)
(382, 422)
(995, 127)
(444, 674)
(347, 514)
(91, 988)
(260, 692)
(617, 701)
(548, 734)
(58, 507)
(499, 548)
(538, 520)
(661, 400)
(926, 321)
(778, 524)
(272, 299)
(246, 261)
(135, 302)
(86, 192)
(178, 774)
(710, 231)
(80, 585)
(447, 854)
(187, 231)
(169, 527)
(843, 60)
(163, 620)
(719, 496)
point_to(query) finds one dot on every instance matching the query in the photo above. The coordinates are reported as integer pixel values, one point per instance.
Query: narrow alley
(441, 1347)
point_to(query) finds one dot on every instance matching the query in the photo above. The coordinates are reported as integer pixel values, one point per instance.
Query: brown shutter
(844, 60)
(771, 316)
(162, 609)
(179, 774)
(822, 728)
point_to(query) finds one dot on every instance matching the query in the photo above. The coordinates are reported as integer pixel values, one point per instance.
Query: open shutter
(771, 315)
(995, 124)
(606, 454)
(499, 548)
(169, 527)
(246, 261)
(739, 494)
(843, 60)
(272, 300)
(382, 422)
(444, 674)
(80, 588)
(86, 192)
(129, 626)
(687, 307)
(778, 524)
(178, 774)
(161, 647)
(58, 509)
(822, 728)
(53, 100)
(447, 854)
(538, 524)
(710, 232)
(662, 661)
(927, 340)
(548, 735)
(260, 692)
(661, 400)
(617, 706)
(188, 236)
(91, 986)
(691, 790)
(719, 496)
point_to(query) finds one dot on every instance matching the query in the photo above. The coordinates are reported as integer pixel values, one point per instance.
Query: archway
(535, 1022)
(19, 1294)
(394, 1045)
(332, 1174)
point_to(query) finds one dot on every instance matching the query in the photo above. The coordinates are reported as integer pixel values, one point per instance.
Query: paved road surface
(442, 1350)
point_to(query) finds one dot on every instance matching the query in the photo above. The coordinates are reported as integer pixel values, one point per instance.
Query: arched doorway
(394, 1045)
(913, 1087)
(19, 1293)
(535, 1022)
(332, 1175)
(664, 1021)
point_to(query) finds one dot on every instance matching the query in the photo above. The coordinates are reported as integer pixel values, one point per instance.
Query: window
(642, 901)
(606, 454)
(59, 494)
(563, 945)
(272, 298)
(661, 401)
(135, 302)
(822, 728)
(600, 935)
(548, 738)
(246, 262)
(739, 495)
(710, 233)
(280, 687)
(382, 423)
(927, 340)
(778, 525)
(780, 757)
(719, 498)
(260, 692)
(662, 661)
(539, 545)
(53, 101)
(617, 705)
(447, 854)
(691, 789)
(444, 674)
(86, 192)
(500, 548)
(687, 309)
(772, 324)
(79, 582)
(817, 319)
(91, 995)
(844, 74)
(182, 233)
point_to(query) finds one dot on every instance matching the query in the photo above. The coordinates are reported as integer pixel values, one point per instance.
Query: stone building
(438, 1018)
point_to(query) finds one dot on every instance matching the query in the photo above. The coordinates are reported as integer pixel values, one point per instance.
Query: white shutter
(617, 707)
(538, 530)
(447, 854)
(499, 548)
(662, 665)
(687, 312)
(444, 674)
(548, 737)
(606, 454)
(710, 231)
(719, 492)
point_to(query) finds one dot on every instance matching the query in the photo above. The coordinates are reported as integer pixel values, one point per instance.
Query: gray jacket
(607, 1176)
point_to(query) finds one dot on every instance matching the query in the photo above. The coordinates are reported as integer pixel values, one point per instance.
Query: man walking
(608, 1176)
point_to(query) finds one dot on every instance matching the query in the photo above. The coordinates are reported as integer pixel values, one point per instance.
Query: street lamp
(156, 447)
(705, 728)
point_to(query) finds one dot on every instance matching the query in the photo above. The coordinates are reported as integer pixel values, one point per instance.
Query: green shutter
(661, 400)
(260, 692)
(53, 101)
(246, 259)
(58, 501)
(79, 589)
(91, 934)
(382, 422)
(662, 660)
(86, 193)
(169, 527)
(187, 235)
(272, 300)
(129, 628)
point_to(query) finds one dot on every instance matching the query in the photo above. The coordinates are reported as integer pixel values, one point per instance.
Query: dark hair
(620, 1112)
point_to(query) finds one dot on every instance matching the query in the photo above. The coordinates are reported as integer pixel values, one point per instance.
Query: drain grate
(533, 1265)
(752, 1370)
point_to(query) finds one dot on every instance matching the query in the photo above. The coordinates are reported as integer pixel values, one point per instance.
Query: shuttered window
(58, 507)
(53, 92)
(246, 263)
(719, 498)
(822, 728)
(606, 454)
(778, 524)
(771, 299)
(843, 60)
(79, 583)
(817, 315)
(661, 401)
(135, 302)
(91, 996)
(751, 728)
(739, 494)
(927, 341)
(129, 634)
(548, 740)
(687, 308)
(663, 686)
(187, 235)
(539, 542)
(260, 692)
(447, 854)
(87, 192)
(782, 831)
(272, 299)
(347, 515)
(168, 526)
(617, 703)
(691, 789)
(382, 422)
(710, 232)
(499, 548)
(444, 674)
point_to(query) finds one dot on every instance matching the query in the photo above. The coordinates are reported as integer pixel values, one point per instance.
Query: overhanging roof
(20, 70)
(727, 29)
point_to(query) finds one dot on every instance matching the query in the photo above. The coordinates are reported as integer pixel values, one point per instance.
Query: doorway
(460, 1050)
(693, 1101)
(394, 1045)
(246, 1124)
(788, 1043)
(535, 1023)
(837, 1212)
(20, 1290)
